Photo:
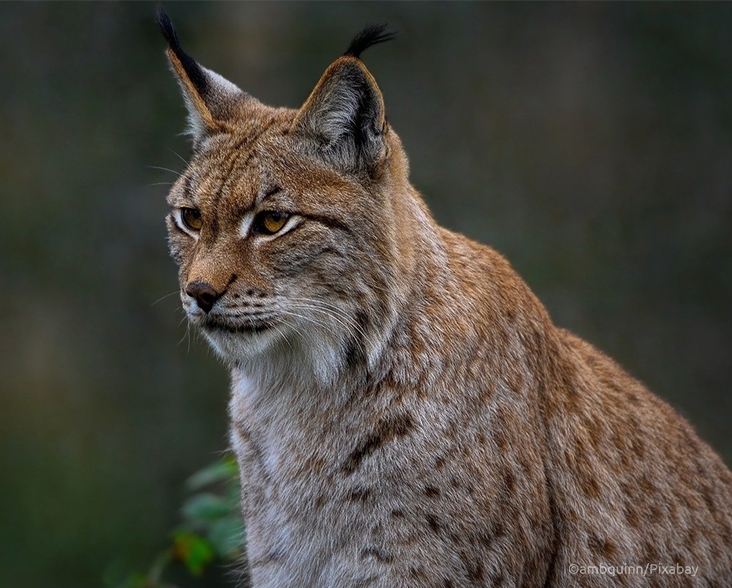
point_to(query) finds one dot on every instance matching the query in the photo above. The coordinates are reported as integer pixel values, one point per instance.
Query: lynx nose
(204, 294)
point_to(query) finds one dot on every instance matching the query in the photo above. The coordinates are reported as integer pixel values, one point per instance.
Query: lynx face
(281, 225)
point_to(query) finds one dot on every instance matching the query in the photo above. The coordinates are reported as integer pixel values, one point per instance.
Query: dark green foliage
(211, 531)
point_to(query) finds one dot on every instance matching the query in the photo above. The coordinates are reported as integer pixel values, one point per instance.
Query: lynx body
(403, 410)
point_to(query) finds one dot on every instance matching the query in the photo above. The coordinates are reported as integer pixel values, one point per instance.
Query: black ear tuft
(167, 28)
(191, 67)
(371, 35)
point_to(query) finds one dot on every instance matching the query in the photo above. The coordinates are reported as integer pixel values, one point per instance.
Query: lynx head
(292, 228)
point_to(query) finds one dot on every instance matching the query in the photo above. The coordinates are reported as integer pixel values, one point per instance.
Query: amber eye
(270, 221)
(191, 218)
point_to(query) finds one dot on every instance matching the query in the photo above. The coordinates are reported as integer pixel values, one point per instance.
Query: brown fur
(403, 410)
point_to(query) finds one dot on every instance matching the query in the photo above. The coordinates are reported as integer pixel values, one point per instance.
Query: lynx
(403, 410)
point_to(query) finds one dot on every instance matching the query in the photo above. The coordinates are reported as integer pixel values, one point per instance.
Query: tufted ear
(212, 101)
(344, 117)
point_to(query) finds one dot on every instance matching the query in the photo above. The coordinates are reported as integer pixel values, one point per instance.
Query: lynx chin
(403, 410)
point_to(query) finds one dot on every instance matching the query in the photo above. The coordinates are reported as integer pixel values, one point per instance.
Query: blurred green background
(589, 143)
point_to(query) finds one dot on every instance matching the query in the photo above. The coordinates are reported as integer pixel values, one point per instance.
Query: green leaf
(223, 470)
(194, 551)
(227, 537)
(204, 508)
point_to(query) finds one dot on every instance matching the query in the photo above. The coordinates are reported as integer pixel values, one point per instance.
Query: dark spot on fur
(515, 381)
(397, 514)
(433, 523)
(650, 551)
(595, 434)
(359, 495)
(499, 530)
(727, 537)
(485, 539)
(510, 481)
(500, 438)
(475, 570)
(389, 430)
(618, 441)
(431, 492)
(647, 486)
(588, 484)
(603, 547)
(654, 513)
(709, 500)
(632, 516)
(573, 403)
(417, 573)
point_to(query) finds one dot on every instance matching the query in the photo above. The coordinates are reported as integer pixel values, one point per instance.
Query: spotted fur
(403, 410)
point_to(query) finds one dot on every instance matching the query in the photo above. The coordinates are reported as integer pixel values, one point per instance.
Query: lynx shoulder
(403, 410)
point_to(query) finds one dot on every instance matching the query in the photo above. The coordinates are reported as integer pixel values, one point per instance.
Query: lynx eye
(191, 218)
(270, 221)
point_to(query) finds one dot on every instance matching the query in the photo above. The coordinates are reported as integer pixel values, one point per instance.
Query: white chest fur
(303, 524)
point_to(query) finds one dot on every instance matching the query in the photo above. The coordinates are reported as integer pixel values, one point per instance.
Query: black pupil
(192, 215)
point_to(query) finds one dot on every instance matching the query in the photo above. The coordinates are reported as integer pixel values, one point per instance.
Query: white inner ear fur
(196, 128)
(337, 114)
(220, 90)
(223, 86)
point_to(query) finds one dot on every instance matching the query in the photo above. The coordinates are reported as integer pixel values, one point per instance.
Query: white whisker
(164, 297)
(179, 157)
(188, 328)
(284, 336)
(349, 328)
(167, 169)
(331, 310)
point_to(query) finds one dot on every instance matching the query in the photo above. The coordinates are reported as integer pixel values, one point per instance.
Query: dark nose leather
(204, 293)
